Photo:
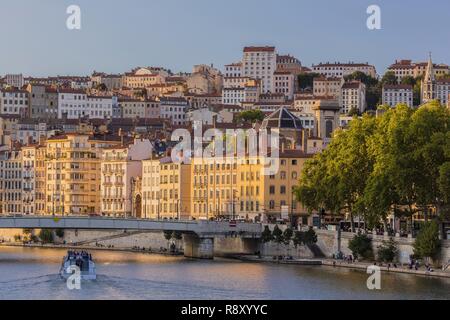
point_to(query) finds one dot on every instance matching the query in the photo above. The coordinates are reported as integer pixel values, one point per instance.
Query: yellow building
(73, 174)
(239, 188)
(279, 200)
(175, 189)
(150, 189)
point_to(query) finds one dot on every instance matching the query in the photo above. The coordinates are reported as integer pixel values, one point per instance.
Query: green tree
(46, 236)
(277, 235)
(299, 238)
(389, 78)
(177, 235)
(387, 251)
(408, 80)
(310, 237)
(266, 235)
(306, 80)
(427, 243)
(168, 235)
(250, 116)
(59, 233)
(287, 236)
(361, 246)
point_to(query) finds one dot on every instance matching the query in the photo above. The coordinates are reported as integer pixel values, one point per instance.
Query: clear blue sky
(118, 35)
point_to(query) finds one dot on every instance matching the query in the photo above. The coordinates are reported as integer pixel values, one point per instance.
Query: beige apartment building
(73, 174)
(119, 166)
(151, 189)
(175, 189)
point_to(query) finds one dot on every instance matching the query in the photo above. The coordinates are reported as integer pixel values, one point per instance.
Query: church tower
(429, 83)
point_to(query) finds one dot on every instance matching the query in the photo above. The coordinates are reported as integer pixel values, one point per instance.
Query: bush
(266, 235)
(427, 242)
(177, 235)
(46, 236)
(361, 246)
(387, 251)
(299, 238)
(277, 234)
(287, 236)
(59, 233)
(310, 236)
(305, 238)
(168, 235)
(17, 237)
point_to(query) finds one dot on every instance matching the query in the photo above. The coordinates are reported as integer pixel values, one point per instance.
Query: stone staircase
(110, 237)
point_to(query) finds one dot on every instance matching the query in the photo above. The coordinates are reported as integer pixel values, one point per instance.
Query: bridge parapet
(201, 228)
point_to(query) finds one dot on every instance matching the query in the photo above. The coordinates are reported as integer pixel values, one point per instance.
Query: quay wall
(328, 242)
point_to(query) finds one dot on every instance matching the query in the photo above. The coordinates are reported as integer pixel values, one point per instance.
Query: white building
(353, 96)
(14, 80)
(233, 96)
(100, 107)
(337, 69)
(284, 82)
(393, 95)
(174, 108)
(14, 101)
(11, 182)
(233, 70)
(72, 103)
(260, 63)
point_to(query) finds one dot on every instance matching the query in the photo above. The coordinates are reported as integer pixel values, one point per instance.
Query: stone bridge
(198, 236)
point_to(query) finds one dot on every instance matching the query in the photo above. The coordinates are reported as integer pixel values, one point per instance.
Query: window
(272, 190)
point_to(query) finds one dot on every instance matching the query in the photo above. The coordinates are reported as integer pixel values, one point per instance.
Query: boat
(82, 260)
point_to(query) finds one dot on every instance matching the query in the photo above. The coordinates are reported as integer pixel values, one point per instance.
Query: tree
(46, 236)
(59, 233)
(387, 251)
(177, 235)
(299, 238)
(336, 178)
(427, 243)
(287, 236)
(306, 80)
(398, 162)
(250, 116)
(168, 235)
(310, 237)
(408, 80)
(353, 112)
(266, 235)
(361, 246)
(389, 78)
(277, 235)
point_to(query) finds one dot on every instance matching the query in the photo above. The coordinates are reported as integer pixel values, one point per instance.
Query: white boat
(81, 261)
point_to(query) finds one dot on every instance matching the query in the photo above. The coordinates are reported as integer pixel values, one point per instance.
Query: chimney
(304, 144)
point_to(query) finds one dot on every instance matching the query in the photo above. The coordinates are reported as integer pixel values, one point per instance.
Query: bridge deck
(201, 228)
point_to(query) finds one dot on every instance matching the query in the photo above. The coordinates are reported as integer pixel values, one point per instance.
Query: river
(32, 273)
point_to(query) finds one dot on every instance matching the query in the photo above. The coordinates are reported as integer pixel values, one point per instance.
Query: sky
(116, 36)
